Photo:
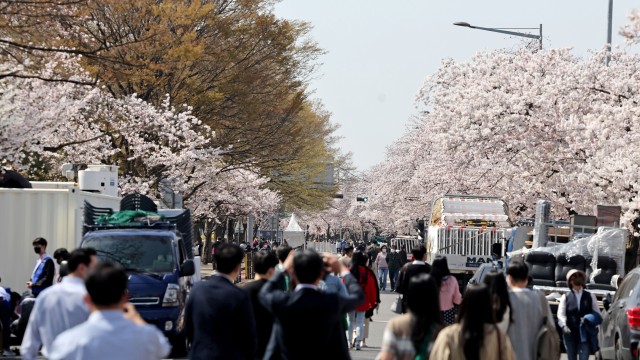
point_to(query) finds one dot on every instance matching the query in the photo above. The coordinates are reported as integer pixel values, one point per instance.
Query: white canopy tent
(294, 233)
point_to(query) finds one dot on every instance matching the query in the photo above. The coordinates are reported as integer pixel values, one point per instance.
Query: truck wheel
(180, 346)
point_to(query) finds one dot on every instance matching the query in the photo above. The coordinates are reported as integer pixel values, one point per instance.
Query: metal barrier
(408, 244)
(246, 268)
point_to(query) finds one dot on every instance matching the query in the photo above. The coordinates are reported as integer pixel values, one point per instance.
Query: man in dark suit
(264, 264)
(219, 317)
(308, 321)
(409, 270)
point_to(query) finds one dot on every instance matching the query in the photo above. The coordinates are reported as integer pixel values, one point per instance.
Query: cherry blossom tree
(523, 126)
(631, 31)
(44, 124)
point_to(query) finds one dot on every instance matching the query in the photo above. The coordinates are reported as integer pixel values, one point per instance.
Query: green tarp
(128, 216)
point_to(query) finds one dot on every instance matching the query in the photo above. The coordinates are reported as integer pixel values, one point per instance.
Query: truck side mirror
(606, 302)
(188, 268)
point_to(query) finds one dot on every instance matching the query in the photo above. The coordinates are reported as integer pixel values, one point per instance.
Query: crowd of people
(309, 305)
(304, 305)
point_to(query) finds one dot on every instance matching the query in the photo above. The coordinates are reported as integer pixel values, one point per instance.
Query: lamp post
(609, 25)
(507, 31)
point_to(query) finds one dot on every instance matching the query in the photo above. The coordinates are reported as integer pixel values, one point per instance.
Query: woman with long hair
(449, 294)
(368, 283)
(475, 336)
(499, 290)
(411, 336)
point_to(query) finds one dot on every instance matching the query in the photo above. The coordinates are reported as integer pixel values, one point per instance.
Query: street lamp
(609, 22)
(506, 31)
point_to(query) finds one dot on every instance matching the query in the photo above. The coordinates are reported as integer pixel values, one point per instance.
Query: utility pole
(610, 25)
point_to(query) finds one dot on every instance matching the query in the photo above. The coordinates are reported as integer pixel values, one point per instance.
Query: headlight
(171, 295)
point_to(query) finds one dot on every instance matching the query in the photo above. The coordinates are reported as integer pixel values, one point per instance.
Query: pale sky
(380, 52)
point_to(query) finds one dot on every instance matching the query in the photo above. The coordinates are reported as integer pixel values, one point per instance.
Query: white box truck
(52, 210)
(467, 229)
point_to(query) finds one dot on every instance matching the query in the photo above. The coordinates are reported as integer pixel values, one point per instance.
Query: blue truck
(158, 257)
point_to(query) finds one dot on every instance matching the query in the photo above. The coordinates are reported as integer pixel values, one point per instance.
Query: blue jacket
(589, 330)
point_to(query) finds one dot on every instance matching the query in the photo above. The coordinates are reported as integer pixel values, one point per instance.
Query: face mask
(37, 250)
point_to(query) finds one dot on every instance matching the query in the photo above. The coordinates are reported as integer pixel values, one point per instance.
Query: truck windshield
(148, 254)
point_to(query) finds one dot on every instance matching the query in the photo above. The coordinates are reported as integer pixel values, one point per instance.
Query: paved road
(376, 329)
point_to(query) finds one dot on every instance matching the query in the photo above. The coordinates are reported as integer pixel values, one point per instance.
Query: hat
(575, 271)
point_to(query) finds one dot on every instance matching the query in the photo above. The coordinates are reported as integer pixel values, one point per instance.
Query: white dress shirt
(58, 308)
(562, 307)
(305, 286)
(107, 335)
(4, 295)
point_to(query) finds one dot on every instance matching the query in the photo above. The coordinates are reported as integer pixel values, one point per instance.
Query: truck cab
(158, 258)
(158, 270)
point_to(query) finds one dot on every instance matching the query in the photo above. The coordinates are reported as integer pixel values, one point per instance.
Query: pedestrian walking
(450, 296)
(403, 254)
(368, 315)
(411, 335)
(497, 284)
(219, 319)
(367, 281)
(528, 312)
(59, 307)
(383, 267)
(475, 336)
(264, 264)
(572, 309)
(114, 330)
(409, 270)
(372, 253)
(318, 313)
(44, 272)
(394, 261)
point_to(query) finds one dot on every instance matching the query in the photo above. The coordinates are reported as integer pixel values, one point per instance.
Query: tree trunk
(208, 231)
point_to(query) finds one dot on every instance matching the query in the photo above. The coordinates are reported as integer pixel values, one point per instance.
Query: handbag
(396, 306)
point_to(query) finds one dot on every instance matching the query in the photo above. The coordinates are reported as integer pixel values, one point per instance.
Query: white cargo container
(52, 210)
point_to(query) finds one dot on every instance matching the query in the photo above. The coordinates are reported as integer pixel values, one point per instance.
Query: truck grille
(145, 301)
(467, 241)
